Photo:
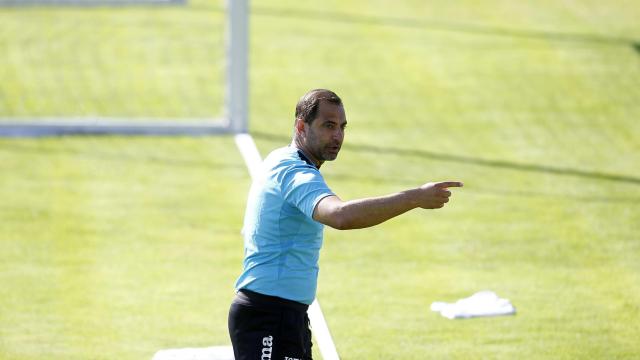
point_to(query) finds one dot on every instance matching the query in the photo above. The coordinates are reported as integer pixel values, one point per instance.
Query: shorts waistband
(252, 298)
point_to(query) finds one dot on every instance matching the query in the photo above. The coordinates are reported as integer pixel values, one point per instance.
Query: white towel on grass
(483, 303)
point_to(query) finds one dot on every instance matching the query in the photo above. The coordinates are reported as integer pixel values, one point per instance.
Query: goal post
(233, 117)
(237, 102)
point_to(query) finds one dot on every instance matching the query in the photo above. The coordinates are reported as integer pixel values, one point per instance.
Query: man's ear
(300, 124)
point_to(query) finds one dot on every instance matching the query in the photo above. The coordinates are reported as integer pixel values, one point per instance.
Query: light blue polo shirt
(281, 240)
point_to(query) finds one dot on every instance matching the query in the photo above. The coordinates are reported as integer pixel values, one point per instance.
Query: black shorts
(265, 327)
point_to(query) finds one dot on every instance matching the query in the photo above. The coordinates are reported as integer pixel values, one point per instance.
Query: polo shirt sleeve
(304, 187)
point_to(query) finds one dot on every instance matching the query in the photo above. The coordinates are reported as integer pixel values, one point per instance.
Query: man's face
(324, 136)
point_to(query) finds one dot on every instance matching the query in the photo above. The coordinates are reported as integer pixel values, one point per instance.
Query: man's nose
(338, 134)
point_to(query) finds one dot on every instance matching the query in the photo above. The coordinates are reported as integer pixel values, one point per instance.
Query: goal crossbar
(112, 126)
(89, 3)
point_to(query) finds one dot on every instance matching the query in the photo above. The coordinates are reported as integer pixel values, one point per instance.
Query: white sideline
(321, 332)
(252, 158)
(210, 353)
(249, 152)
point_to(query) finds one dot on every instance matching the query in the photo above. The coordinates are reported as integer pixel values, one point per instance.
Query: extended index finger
(448, 184)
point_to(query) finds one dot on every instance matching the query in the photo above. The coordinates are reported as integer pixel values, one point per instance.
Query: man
(288, 205)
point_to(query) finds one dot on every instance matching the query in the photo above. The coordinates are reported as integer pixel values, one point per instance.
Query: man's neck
(298, 145)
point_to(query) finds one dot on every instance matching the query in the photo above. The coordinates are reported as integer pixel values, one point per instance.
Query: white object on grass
(209, 353)
(483, 303)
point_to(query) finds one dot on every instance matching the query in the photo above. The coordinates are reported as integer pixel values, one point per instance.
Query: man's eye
(329, 126)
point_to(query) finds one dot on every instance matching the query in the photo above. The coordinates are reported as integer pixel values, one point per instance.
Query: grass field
(115, 247)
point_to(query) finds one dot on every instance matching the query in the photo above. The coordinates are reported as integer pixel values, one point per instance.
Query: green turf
(116, 247)
(162, 62)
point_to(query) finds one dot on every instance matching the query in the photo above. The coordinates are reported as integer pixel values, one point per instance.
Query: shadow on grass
(487, 191)
(387, 150)
(339, 17)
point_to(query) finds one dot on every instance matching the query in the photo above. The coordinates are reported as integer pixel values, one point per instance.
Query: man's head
(307, 107)
(319, 126)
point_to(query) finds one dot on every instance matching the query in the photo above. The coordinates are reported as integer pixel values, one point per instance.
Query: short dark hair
(307, 107)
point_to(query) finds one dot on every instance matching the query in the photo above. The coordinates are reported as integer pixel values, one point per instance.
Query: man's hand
(434, 195)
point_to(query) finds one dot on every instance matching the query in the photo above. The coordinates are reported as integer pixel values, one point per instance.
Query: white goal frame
(236, 112)
(18, 3)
